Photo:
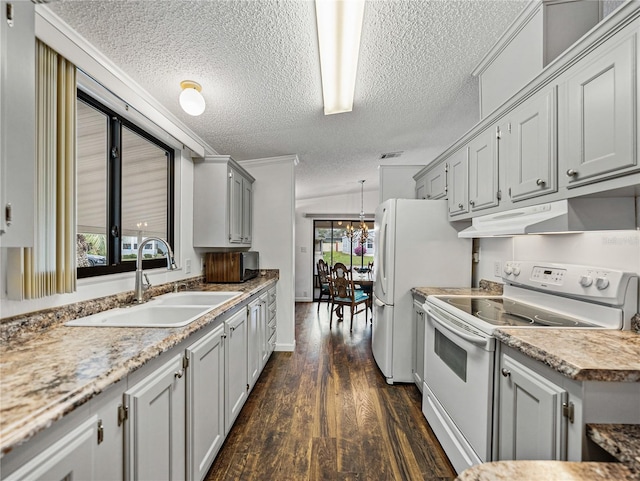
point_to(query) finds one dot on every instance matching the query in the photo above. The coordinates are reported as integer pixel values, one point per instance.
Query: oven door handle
(481, 341)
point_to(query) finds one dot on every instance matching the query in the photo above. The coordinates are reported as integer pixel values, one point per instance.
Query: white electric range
(460, 346)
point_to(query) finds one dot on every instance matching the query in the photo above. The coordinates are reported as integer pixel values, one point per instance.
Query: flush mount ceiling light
(191, 100)
(339, 28)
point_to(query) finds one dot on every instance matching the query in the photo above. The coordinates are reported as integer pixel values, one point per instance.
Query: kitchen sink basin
(209, 299)
(144, 315)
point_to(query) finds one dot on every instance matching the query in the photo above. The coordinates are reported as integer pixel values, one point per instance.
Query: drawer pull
(572, 173)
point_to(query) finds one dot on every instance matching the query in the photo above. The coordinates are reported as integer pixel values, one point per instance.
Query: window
(124, 191)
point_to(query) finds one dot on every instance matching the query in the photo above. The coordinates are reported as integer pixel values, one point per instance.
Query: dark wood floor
(324, 412)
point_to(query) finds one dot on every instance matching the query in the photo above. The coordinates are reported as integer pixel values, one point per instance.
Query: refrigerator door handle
(383, 256)
(378, 302)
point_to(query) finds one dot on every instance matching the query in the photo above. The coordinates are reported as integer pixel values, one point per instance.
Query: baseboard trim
(285, 347)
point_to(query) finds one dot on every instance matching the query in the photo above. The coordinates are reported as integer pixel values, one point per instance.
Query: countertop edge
(562, 365)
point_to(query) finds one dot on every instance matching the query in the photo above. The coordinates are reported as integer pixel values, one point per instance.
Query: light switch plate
(187, 266)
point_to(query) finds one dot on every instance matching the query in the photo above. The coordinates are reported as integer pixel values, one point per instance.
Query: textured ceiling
(258, 64)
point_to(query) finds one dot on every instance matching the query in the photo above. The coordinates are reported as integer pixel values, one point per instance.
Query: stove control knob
(516, 271)
(586, 281)
(508, 270)
(602, 283)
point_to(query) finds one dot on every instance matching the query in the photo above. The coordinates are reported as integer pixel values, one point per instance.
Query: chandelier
(362, 232)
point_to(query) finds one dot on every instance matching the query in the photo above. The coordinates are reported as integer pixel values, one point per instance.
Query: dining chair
(323, 277)
(344, 293)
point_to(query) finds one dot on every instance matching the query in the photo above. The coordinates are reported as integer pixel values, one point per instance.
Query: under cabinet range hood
(563, 216)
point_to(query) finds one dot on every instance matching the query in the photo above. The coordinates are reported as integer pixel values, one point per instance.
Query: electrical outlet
(497, 269)
(187, 266)
(201, 263)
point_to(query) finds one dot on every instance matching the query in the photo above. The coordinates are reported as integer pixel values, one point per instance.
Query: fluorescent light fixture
(339, 28)
(191, 100)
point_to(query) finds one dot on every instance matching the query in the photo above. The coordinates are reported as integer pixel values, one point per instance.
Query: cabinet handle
(472, 202)
(572, 173)
(460, 206)
(8, 214)
(232, 328)
(540, 182)
(505, 372)
(179, 374)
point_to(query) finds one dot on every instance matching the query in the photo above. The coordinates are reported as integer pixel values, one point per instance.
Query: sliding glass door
(332, 243)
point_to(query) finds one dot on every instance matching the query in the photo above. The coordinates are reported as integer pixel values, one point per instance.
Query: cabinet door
(69, 458)
(236, 380)
(458, 182)
(483, 170)
(236, 193)
(205, 402)
(155, 430)
(247, 210)
(531, 425)
(418, 344)
(436, 182)
(421, 187)
(601, 125)
(531, 164)
(17, 124)
(254, 353)
(264, 330)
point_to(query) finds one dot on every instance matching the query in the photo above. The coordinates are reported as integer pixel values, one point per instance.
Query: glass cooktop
(501, 311)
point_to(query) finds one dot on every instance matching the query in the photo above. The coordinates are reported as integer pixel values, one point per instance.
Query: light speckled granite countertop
(547, 471)
(580, 354)
(487, 288)
(622, 441)
(48, 369)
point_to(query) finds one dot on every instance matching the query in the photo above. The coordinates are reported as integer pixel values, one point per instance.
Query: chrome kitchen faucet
(140, 285)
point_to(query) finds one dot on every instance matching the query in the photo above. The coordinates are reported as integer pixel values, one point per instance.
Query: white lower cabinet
(87, 444)
(166, 421)
(69, 458)
(542, 414)
(418, 344)
(205, 402)
(272, 320)
(236, 382)
(264, 330)
(254, 351)
(155, 430)
(531, 425)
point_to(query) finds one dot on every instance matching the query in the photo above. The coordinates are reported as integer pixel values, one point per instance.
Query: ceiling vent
(391, 155)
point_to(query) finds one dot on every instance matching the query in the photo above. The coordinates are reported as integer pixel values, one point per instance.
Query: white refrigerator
(416, 246)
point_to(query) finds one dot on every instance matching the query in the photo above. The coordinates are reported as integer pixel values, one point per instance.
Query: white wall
(273, 234)
(337, 204)
(613, 249)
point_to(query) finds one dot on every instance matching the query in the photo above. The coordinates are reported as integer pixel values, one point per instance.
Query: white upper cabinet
(483, 170)
(542, 32)
(222, 203)
(17, 124)
(458, 182)
(431, 182)
(601, 129)
(531, 163)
